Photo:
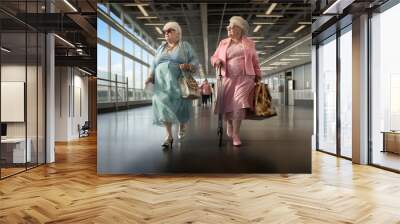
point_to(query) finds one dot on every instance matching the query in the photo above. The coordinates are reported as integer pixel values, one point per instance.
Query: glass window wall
(121, 73)
(22, 93)
(327, 95)
(385, 89)
(346, 93)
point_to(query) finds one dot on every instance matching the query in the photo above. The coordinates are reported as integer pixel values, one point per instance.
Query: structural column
(50, 98)
(360, 90)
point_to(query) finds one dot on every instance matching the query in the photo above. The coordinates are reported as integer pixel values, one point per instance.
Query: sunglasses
(230, 27)
(168, 31)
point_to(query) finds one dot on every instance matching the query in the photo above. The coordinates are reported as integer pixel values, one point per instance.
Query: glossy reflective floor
(129, 143)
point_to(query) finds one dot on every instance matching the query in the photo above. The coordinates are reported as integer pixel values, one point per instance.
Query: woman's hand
(186, 67)
(218, 63)
(149, 79)
(257, 78)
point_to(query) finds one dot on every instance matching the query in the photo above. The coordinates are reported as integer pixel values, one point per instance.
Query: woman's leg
(168, 128)
(229, 128)
(236, 131)
(182, 130)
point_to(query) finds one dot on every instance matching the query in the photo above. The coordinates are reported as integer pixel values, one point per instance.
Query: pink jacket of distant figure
(252, 66)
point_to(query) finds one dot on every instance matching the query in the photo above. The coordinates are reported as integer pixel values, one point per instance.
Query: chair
(84, 129)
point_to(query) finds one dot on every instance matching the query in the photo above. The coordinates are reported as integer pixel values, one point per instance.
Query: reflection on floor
(129, 143)
(70, 191)
(387, 159)
(10, 171)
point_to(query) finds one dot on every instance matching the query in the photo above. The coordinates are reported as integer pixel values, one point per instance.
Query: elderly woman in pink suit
(237, 58)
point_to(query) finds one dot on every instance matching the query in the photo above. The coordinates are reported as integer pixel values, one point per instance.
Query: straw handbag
(262, 104)
(188, 85)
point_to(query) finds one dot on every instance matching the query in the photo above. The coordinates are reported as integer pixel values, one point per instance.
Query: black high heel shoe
(168, 143)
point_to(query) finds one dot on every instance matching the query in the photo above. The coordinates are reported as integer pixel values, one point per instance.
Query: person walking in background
(212, 93)
(205, 92)
(238, 60)
(170, 59)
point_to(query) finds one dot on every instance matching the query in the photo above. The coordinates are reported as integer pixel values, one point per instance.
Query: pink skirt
(238, 95)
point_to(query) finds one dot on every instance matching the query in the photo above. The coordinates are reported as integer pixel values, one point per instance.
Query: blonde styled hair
(240, 22)
(176, 27)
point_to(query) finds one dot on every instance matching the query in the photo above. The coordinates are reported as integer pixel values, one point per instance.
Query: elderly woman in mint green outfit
(172, 57)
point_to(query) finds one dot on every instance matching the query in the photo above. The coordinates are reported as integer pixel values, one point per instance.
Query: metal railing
(118, 91)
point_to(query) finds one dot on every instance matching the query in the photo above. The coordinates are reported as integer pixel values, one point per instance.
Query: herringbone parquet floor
(69, 191)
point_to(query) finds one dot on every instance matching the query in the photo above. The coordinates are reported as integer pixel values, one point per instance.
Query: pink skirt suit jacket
(251, 63)
(239, 68)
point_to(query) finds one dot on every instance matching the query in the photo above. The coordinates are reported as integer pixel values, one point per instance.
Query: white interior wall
(72, 87)
(14, 72)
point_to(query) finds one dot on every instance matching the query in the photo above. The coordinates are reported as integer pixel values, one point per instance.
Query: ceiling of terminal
(74, 24)
(274, 25)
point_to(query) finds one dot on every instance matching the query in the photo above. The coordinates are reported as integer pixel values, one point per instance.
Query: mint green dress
(168, 105)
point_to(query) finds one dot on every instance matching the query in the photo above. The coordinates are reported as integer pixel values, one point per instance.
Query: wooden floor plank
(70, 191)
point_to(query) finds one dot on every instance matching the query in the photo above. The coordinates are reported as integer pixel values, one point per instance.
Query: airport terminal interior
(125, 52)
(76, 118)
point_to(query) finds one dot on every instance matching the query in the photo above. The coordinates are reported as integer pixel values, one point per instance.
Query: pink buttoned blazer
(251, 63)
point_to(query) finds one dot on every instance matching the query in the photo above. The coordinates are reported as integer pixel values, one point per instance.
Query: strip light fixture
(153, 24)
(300, 55)
(281, 41)
(334, 5)
(287, 37)
(269, 46)
(86, 72)
(271, 8)
(144, 12)
(136, 4)
(258, 27)
(263, 23)
(158, 30)
(64, 40)
(289, 59)
(299, 28)
(70, 5)
(5, 49)
(147, 17)
(304, 23)
(256, 38)
(270, 16)
(303, 40)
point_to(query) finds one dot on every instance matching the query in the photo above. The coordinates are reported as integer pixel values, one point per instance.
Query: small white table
(18, 150)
